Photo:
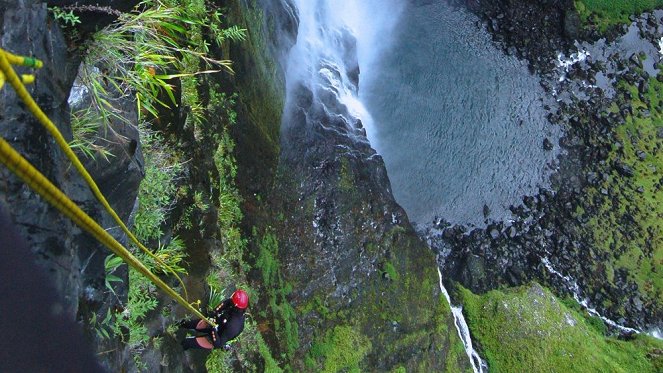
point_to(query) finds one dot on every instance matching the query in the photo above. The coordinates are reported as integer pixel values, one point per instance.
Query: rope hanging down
(40, 184)
(11, 76)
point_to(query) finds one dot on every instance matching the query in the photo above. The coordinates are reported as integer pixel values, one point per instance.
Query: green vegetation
(340, 349)
(277, 290)
(625, 223)
(66, 18)
(85, 129)
(158, 188)
(606, 13)
(527, 329)
(141, 56)
(390, 270)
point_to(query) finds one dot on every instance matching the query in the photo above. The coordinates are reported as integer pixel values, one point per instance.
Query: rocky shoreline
(553, 237)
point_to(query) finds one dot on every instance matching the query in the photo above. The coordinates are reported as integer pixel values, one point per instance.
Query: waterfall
(336, 39)
(478, 365)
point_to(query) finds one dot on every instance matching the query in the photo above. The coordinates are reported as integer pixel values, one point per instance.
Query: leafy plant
(85, 125)
(173, 255)
(158, 188)
(66, 18)
(215, 297)
(112, 263)
(142, 52)
(103, 328)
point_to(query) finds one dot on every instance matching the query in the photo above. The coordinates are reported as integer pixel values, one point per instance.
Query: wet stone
(547, 145)
(624, 169)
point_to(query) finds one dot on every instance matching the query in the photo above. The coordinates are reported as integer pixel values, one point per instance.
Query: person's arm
(228, 331)
(221, 307)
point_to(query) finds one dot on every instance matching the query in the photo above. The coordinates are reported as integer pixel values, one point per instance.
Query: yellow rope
(5, 59)
(33, 178)
(40, 184)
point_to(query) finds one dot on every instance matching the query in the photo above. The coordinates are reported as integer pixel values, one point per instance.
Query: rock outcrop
(362, 284)
(73, 259)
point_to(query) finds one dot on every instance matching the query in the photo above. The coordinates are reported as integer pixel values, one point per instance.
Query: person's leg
(197, 324)
(189, 324)
(202, 325)
(197, 343)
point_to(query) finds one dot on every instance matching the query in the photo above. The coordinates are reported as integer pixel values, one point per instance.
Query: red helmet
(240, 299)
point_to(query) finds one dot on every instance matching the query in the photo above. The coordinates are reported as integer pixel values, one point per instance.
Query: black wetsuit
(230, 323)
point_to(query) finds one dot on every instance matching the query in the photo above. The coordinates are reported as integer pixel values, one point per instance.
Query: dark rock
(474, 274)
(571, 24)
(635, 60)
(486, 211)
(73, 258)
(547, 145)
(643, 87)
(94, 15)
(512, 232)
(624, 169)
(494, 234)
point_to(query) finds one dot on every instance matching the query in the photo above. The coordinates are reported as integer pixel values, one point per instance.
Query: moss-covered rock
(527, 329)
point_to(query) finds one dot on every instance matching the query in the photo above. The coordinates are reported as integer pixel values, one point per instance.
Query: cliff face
(344, 273)
(350, 270)
(350, 253)
(73, 259)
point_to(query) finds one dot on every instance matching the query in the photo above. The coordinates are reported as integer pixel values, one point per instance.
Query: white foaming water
(566, 63)
(478, 365)
(660, 45)
(584, 302)
(325, 47)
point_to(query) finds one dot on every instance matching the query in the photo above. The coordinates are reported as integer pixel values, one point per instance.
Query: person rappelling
(229, 317)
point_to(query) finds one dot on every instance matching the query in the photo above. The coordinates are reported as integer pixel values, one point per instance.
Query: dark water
(460, 124)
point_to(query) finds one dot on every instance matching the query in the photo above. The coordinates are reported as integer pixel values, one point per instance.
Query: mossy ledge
(527, 329)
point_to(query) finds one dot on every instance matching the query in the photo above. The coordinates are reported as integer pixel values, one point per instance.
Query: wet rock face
(96, 14)
(47, 231)
(344, 242)
(72, 258)
(342, 233)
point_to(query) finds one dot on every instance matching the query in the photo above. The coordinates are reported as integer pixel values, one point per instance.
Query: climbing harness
(40, 184)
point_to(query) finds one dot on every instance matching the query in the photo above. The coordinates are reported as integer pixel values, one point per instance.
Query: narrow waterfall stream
(573, 287)
(478, 364)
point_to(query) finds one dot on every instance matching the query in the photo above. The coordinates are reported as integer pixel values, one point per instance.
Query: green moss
(390, 270)
(261, 96)
(607, 13)
(626, 225)
(346, 178)
(285, 317)
(318, 305)
(339, 349)
(528, 329)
